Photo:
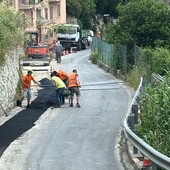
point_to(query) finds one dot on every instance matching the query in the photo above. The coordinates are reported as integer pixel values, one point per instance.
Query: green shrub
(157, 60)
(95, 56)
(154, 126)
(133, 77)
(161, 62)
(11, 29)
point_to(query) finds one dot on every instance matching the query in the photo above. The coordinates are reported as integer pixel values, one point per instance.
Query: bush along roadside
(154, 126)
(12, 30)
(95, 56)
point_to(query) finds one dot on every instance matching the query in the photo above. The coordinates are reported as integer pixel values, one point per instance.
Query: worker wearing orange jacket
(63, 76)
(26, 87)
(74, 87)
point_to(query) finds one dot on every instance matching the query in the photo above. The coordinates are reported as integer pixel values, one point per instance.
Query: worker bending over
(74, 87)
(60, 87)
(63, 76)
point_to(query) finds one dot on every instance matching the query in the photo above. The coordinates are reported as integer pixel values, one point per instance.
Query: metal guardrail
(158, 159)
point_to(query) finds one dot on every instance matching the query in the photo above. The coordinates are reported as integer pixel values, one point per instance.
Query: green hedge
(11, 29)
(154, 126)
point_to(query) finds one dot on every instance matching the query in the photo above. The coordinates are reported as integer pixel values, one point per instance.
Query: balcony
(26, 4)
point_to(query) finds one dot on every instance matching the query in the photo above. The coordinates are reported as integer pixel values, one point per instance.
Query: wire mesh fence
(137, 55)
(114, 57)
(107, 52)
(123, 59)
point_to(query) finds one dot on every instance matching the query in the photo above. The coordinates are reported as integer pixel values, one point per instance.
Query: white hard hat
(29, 71)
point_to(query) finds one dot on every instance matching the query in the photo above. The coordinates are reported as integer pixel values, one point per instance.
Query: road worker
(74, 87)
(60, 87)
(26, 87)
(58, 51)
(63, 76)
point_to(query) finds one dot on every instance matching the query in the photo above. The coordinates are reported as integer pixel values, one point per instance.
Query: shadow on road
(25, 119)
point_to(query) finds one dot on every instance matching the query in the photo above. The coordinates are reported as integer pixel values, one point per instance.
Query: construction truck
(71, 36)
(88, 34)
(36, 53)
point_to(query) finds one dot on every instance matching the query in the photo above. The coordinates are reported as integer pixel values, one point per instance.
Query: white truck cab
(69, 36)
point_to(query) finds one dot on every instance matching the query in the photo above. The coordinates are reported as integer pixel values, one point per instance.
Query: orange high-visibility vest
(63, 75)
(73, 80)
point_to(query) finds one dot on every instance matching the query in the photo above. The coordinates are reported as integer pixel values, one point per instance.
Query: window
(58, 10)
(51, 12)
(46, 13)
(38, 13)
(31, 17)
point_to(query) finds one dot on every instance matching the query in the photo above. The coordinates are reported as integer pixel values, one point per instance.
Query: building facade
(42, 15)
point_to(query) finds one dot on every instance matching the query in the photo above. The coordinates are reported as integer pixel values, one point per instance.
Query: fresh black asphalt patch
(25, 119)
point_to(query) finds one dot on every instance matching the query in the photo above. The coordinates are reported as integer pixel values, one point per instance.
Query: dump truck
(71, 36)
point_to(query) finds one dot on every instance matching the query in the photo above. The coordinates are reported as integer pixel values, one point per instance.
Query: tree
(88, 13)
(108, 7)
(74, 8)
(142, 22)
(84, 11)
(11, 29)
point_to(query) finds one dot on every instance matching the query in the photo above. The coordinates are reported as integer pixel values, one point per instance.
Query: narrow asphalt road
(67, 138)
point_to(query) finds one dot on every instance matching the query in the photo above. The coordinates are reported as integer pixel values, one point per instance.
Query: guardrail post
(132, 122)
(135, 111)
(135, 121)
(144, 80)
(142, 90)
(135, 150)
(154, 166)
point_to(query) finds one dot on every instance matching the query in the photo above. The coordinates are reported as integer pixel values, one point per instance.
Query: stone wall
(9, 78)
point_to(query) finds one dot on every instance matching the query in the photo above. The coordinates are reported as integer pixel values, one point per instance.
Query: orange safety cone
(146, 162)
(64, 53)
